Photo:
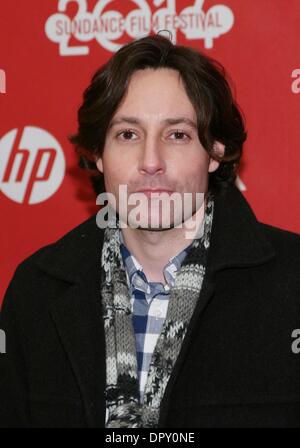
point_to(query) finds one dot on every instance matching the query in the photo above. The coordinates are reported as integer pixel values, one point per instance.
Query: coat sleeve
(14, 405)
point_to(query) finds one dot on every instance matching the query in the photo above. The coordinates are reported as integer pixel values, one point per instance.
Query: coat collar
(237, 239)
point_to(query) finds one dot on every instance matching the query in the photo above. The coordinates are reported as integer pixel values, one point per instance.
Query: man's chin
(155, 224)
(151, 228)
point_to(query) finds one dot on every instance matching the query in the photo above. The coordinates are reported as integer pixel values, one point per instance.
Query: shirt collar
(136, 277)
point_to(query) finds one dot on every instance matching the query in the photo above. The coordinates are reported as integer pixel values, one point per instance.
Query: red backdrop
(48, 51)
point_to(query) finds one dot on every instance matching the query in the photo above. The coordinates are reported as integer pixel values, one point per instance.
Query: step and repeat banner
(48, 52)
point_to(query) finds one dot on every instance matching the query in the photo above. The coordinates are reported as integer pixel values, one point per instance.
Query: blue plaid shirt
(149, 304)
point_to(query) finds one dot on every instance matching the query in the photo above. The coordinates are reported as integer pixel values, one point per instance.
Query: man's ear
(99, 164)
(219, 150)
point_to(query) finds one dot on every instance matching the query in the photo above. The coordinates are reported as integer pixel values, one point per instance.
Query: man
(173, 319)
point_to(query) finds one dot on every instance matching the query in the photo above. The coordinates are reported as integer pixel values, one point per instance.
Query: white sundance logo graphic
(106, 25)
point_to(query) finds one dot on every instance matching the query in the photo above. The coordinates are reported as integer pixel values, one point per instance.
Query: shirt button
(139, 281)
(158, 314)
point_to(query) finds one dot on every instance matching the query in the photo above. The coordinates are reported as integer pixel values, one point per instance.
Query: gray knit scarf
(123, 406)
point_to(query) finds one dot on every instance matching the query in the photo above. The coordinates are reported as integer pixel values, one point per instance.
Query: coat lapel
(77, 313)
(236, 241)
(78, 321)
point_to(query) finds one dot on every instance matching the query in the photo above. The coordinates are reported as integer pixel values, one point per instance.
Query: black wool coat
(239, 365)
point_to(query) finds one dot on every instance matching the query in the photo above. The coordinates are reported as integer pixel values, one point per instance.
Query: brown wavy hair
(207, 86)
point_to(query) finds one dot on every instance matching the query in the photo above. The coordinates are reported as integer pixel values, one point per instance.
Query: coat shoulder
(285, 242)
(28, 274)
(62, 244)
(279, 235)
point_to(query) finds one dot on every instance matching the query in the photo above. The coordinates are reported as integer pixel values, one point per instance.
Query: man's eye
(180, 134)
(126, 133)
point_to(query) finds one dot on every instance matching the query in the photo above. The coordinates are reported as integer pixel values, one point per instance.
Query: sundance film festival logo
(32, 165)
(106, 25)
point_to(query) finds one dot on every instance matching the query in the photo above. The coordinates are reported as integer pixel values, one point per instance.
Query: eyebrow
(172, 121)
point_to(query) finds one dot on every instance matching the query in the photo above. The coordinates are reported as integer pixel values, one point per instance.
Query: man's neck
(153, 249)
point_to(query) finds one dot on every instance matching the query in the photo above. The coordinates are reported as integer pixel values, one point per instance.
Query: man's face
(145, 150)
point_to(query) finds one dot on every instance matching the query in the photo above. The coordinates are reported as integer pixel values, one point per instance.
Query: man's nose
(152, 158)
